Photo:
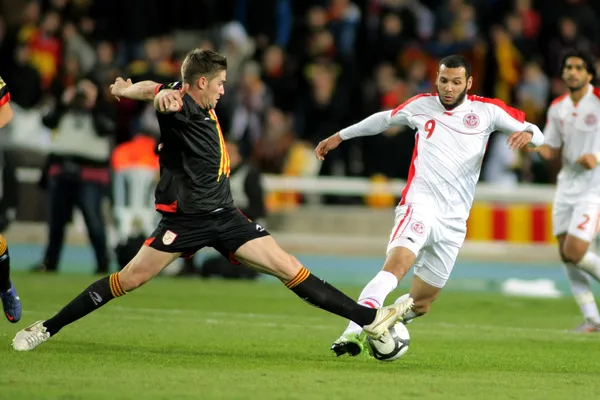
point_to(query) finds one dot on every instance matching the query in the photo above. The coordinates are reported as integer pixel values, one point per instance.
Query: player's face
(214, 89)
(452, 85)
(575, 74)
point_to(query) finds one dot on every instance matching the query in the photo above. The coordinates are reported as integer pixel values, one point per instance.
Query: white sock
(590, 263)
(409, 316)
(374, 294)
(582, 291)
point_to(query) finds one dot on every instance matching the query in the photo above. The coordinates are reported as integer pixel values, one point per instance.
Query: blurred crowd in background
(301, 70)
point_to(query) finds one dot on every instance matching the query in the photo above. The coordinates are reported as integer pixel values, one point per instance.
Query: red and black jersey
(4, 93)
(194, 163)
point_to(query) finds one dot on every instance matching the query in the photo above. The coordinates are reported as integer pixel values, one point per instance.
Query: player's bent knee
(134, 275)
(287, 267)
(573, 251)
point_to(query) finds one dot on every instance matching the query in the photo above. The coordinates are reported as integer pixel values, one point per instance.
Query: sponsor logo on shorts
(417, 228)
(169, 237)
(259, 228)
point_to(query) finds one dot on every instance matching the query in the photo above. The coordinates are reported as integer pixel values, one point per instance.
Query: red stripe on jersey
(407, 102)
(411, 171)
(5, 99)
(596, 92)
(513, 112)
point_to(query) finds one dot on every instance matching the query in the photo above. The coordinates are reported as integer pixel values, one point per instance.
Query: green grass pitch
(192, 339)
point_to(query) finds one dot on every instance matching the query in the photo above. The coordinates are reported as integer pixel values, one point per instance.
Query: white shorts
(435, 241)
(577, 219)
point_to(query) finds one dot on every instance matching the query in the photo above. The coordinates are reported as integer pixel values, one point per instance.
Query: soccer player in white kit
(453, 129)
(573, 129)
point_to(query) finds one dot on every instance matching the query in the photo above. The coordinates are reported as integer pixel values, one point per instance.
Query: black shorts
(225, 230)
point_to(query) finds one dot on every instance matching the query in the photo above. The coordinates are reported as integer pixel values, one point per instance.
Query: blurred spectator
(277, 76)
(270, 153)
(26, 83)
(508, 64)
(530, 19)
(568, 38)
(252, 100)
(78, 173)
(75, 45)
(533, 92)
(46, 47)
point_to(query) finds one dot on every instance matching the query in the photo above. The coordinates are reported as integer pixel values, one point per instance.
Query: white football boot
(30, 337)
(388, 316)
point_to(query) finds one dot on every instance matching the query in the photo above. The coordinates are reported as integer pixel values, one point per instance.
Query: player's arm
(510, 120)
(552, 145)
(166, 98)
(6, 112)
(373, 125)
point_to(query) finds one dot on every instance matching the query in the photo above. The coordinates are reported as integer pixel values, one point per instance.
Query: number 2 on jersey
(429, 128)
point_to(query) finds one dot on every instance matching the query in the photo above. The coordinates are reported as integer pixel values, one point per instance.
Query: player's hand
(518, 140)
(588, 161)
(116, 89)
(544, 151)
(170, 100)
(325, 146)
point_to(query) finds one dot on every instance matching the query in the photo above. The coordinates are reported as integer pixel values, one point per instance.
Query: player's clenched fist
(117, 88)
(325, 146)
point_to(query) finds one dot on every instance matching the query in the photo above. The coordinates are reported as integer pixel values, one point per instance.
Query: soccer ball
(392, 345)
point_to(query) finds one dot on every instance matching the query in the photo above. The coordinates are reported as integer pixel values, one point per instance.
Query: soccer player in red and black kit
(197, 209)
(11, 303)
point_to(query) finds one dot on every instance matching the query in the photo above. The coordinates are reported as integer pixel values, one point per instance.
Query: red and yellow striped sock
(298, 279)
(115, 285)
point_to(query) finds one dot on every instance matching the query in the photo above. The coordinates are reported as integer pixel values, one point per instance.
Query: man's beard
(459, 100)
(576, 88)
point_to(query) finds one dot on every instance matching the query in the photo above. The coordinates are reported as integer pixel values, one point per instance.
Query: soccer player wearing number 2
(453, 129)
(573, 129)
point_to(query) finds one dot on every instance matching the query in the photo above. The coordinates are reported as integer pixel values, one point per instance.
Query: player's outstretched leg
(145, 265)
(397, 263)
(11, 303)
(265, 255)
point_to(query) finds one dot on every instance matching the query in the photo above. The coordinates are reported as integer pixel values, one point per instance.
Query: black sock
(322, 295)
(95, 296)
(4, 265)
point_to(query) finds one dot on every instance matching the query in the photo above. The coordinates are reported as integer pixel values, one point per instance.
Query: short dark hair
(456, 61)
(587, 58)
(201, 62)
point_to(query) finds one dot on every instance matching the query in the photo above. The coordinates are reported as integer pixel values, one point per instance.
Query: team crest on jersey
(417, 228)
(471, 120)
(169, 237)
(590, 120)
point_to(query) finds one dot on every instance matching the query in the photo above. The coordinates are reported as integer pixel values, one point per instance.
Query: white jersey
(449, 148)
(575, 128)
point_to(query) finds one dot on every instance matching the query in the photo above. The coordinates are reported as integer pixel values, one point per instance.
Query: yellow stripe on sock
(3, 245)
(115, 285)
(299, 278)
